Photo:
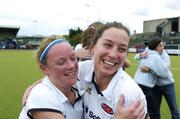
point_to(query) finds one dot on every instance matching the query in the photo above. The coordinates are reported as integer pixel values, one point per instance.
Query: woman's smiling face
(110, 50)
(62, 65)
(160, 47)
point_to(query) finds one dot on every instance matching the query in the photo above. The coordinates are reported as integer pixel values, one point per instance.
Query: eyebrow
(108, 40)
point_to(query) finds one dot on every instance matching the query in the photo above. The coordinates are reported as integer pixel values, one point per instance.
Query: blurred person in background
(156, 79)
(164, 85)
(82, 49)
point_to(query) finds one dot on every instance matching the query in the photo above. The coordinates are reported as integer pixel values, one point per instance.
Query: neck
(65, 89)
(69, 93)
(102, 81)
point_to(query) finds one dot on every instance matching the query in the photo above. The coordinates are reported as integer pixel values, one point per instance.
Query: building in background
(166, 28)
(29, 42)
(10, 40)
(8, 37)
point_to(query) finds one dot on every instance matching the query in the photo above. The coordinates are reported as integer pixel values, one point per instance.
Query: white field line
(172, 68)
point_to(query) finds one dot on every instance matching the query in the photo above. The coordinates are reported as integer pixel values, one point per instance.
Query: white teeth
(70, 74)
(109, 63)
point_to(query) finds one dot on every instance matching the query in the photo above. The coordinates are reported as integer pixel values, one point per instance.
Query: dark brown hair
(154, 43)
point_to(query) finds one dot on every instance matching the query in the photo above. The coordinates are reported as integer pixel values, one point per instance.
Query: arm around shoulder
(47, 115)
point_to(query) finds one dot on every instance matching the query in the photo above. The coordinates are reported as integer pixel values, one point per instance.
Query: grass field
(18, 69)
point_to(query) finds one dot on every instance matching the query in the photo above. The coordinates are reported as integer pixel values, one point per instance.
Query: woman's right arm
(83, 53)
(141, 55)
(47, 115)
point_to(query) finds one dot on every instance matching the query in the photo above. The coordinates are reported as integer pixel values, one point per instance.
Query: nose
(71, 64)
(113, 53)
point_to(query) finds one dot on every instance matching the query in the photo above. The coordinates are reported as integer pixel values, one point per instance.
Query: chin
(73, 81)
(109, 73)
(70, 84)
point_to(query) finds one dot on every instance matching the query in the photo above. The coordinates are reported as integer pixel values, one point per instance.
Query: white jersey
(101, 105)
(78, 46)
(46, 97)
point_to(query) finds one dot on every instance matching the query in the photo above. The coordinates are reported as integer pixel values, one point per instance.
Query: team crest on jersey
(107, 109)
(89, 89)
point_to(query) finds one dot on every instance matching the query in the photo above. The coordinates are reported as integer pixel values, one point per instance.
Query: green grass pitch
(18, 69)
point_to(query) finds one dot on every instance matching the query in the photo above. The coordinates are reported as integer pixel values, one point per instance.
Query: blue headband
(48, 47)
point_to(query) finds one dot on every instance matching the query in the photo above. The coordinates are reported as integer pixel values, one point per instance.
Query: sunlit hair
(100, 31)
(95, 25)
(88, 34)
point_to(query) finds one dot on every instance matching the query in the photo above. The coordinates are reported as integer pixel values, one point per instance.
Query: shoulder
(42, 89)
(86, 63)
(85, 67)
(164, 55)
(43, 96)
(125, 80)
(154, 55)
(126, 76)
(84, 74)
(78, 46)
(129, 87)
